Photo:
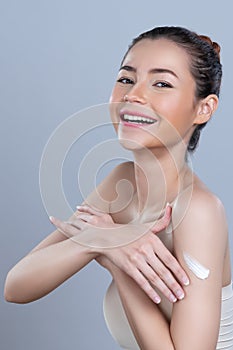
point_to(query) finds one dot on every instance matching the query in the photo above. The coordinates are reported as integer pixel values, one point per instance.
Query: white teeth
(136, 118)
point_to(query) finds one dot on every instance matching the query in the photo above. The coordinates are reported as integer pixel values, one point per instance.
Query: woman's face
(154, 82)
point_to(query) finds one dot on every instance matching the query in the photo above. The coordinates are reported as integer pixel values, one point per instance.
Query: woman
(166, 91)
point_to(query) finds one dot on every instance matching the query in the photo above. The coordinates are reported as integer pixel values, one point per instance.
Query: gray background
(57, 57)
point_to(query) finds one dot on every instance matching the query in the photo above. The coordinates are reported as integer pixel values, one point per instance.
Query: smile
(137, 119)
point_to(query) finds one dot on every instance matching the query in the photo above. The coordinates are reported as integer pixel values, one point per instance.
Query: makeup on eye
(162, 84)
(159, 84)
(125, 80)
(161, 73)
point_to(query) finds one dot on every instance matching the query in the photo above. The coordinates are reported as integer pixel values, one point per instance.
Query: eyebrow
(153, 70)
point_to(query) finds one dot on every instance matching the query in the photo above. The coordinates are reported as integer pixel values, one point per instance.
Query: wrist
(84, 247)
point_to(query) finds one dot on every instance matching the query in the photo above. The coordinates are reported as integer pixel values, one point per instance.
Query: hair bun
(216, 46)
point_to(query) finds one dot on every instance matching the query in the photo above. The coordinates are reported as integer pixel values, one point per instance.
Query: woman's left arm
(200, 245)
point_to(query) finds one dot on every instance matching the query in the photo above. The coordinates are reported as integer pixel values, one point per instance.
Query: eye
(125, 80)
(162, 84)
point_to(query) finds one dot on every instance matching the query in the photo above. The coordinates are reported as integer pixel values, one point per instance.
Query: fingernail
(180, 294)
(51, 218)
(186, 281)
(167, 205)
(157, 300)
(78, 206)
(173, 299)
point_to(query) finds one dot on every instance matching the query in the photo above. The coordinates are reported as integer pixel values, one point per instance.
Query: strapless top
(120, 330)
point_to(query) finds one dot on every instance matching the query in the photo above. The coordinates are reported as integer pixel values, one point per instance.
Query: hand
(149, 263)
(86, 216)
(146, 260)
(94, 216)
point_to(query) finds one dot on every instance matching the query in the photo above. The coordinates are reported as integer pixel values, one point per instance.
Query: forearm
(150, 328)
(42, 271)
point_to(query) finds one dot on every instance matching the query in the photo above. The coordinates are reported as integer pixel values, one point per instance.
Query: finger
(162, 223)
(170, 261)
(88, 209)
(169, 286)
(156, 280)
(85, 217)
(79, 224)
(144, 284)
(64, 227)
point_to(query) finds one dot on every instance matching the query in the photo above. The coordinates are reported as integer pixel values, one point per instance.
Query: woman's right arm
(57, 257)
(44, 269)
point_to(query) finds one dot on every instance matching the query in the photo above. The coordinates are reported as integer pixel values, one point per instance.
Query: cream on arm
(200, 244)
(194, 320)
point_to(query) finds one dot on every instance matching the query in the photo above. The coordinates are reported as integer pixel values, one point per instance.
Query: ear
(205, 109)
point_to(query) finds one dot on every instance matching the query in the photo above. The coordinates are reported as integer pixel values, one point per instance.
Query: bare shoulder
(201, 211)
(100, 197)
(124, 170)
(202, 195)
(200, 245)
(119, 180)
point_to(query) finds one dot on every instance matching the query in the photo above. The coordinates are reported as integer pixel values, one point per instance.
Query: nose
(136, 94)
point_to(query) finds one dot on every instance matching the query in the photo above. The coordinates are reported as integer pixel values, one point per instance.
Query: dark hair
(205, 65)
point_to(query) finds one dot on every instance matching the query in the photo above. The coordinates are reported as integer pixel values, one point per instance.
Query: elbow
(10, 298)
(12, 291)
(8, 295)
(14, 300)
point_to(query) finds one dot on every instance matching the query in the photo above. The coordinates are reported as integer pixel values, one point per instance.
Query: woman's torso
(113, 310)
(129, 213)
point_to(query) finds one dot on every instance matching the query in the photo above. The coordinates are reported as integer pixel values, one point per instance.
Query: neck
(159, 175)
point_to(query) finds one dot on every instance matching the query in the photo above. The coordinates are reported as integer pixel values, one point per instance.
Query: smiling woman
(171, 286)
(168, 87)
(166, 79)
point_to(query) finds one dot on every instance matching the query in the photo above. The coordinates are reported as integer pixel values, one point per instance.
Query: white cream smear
(198, 269)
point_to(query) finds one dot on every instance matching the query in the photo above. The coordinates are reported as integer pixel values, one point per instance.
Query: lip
(136, 113)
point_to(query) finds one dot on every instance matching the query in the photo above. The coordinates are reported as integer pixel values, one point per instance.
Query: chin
(136, 144)
(130, 144)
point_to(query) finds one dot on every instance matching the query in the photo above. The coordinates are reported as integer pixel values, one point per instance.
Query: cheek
(114, 108)
(116, 95)
(178, 109)
(116, 102)
(112, 97)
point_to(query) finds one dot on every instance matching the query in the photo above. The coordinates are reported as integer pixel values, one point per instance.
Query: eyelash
(130, 81)
(127, 80)
(164, 84)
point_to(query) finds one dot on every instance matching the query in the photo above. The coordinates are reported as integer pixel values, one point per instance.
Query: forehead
(148, 54)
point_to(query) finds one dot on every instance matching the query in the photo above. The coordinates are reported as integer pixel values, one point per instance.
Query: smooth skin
(202, 232)
(59, 256)
(200, 229)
